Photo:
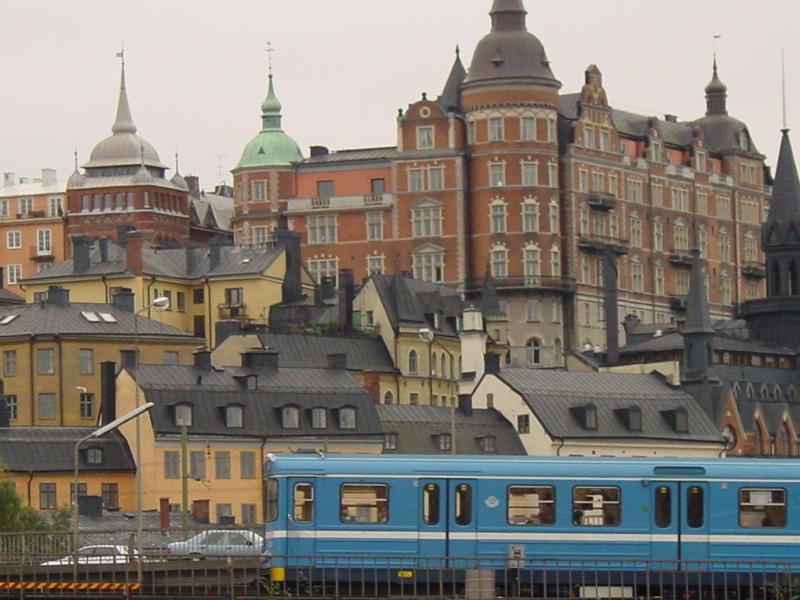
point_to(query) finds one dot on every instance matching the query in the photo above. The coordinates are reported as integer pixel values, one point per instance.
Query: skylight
(90, 316)
(7, 319)
(108, 317)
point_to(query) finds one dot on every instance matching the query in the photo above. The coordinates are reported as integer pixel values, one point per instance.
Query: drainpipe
(30, 484)
(105, 285)
(146, 299)
(31, 379)
(208, 304)
(560, 446)
(61, 382)
(263, 475)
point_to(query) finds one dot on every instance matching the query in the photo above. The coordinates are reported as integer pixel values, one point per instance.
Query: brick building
(503, 175)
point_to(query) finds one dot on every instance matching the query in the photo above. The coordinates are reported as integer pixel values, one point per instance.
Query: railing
(566, 284)
(681, 256)
(754, 269)
(321, 202)
(37, 252)
(232, 311)
(353, 202)
(597, 242)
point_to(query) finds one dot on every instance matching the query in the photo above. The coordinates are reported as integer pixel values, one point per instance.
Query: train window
(364, 503)
(463, 504)
(596, 506)
(303, 503)
(531, 505)
(271, 500)
(694, 506)
(762, 508)
(663, 506)
(430, 504)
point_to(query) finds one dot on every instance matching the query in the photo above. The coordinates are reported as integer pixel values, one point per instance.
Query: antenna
(219, 168)
(177, 170)
(714, 43)
(783, 86)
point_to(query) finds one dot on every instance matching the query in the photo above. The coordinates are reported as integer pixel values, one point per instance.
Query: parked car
(96, 555)
(219, 542)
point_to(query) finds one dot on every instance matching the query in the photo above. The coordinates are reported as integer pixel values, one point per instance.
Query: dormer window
(347, 418)
(319, 418)
(234, 416)
(183, 415)
(290, 417)
(631, 417)
(445, 442)
(488, 444)
(94, 456)
(251, 383)
(424, 138)
(681, 421)
(586, 416)
(390, 441)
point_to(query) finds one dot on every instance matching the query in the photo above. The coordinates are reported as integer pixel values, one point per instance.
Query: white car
(220, 542)
(96, 555)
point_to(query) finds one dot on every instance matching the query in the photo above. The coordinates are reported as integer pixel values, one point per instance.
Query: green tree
(14, 516)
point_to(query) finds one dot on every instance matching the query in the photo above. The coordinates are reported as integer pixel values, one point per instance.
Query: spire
(698, 318)
(124, 121)
(508, 15)
(716, 94)
(270, 109)
(786, 188)
(450, 99)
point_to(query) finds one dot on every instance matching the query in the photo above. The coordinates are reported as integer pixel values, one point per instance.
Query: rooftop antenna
(177, 170)
(219, 168)
(783, 90)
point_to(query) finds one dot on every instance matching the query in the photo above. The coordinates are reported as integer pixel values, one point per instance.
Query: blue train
(329, 508)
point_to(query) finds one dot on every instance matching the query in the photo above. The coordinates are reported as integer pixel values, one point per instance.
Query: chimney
(292, 283)
(671, 118)
(202, 359)
(163, 512)
(346, 297)
(134, 242)
(200, 512)
(122, 298)
(9, 179)
(465, 404)
(371, 380)
(80, 253)
(215, 252)
(58, 296)
(611, 308)
(191, 256)
(48, 176)
(108, 391)
(225, 329)
(90, 506)
(102, 244)
(256, 358)
(127, 359)
(327, 288)
(318, 151)
(491, 363)
(337, 361)
(193, 182)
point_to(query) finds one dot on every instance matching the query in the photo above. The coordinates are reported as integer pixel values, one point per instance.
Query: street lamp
(76, 515)
(426, 335)
(160, 304)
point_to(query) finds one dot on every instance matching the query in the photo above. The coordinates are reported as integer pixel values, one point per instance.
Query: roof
(385, 153)
(9, 297)
(552, 396)
(408, 301)
(785, 201)
(307, 350)
(50, 449)
(417, 427)
(36, 187)
(46, 318)
(220, 208)
(450, 98)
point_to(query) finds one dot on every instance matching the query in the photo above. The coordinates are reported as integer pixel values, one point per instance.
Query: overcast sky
(197, 68)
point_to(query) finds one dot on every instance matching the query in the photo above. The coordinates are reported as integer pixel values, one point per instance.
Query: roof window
(90, 316)
(108, 317)
(7, 319)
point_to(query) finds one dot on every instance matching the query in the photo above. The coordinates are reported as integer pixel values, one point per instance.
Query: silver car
(96, 555)
(219, 542)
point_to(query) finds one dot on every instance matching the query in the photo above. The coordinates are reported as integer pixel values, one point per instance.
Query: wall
(63, 481)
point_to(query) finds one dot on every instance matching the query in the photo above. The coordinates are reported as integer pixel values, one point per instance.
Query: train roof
(529, 466)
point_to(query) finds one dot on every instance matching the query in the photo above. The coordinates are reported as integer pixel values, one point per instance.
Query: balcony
(339, 203)
(237, 312)
(33, 214)
(321, 202)
(601, 201)
(680, 257)
(677, 302)
(39, 253)
(530, 282)
(754, 269)
(592, 242)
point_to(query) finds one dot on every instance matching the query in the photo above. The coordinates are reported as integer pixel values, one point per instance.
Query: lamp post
(426, 335)
(160, 304)
(76, 515)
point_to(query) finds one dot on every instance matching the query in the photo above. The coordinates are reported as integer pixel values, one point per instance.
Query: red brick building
(503, 174)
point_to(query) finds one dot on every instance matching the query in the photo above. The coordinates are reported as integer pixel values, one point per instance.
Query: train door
(433, 518)
(665, 522)
(679, 527)
(693, 539)
(301, 521)
(462, 524)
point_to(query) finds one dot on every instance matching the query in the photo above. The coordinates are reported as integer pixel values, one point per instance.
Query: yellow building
(51, 353)
(234, 417)
(204, 285)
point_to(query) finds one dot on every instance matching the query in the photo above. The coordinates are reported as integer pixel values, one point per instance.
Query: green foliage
(15, 516)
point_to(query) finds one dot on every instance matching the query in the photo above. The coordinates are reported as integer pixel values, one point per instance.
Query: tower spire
(271, 107)
(123, 123)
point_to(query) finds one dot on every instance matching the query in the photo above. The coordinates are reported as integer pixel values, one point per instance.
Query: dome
(179, 181)
(509, 51)
(723, 132)
(76, 180)
(123, 149)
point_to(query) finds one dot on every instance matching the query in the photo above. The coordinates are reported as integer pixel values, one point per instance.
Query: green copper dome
(272, 147)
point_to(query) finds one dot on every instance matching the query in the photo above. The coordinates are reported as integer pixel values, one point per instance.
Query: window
(82, 491)
(750, 248)
(695, 506)
(605, 140)
(702, 242)
(181, 301)
(347, 418)
(429, 266)
(271, 499)
(388, 397)
(662, 501)
(724, 207)
(762, 508)
(749, 173)
(680, 236)
(324, 267)
(658, 236)
(680, 199)
(596, 506)
(424, 138)
(551, 129)
(198, 296)
(47, 496)
(325, 189)
(531, 505)
(47, 406)
(556, 310)
(110, 495)
(530, 174)
(14, 274)
(94, 456)
(530, 217)
(553, 217)
(374, 226)
(598, 181)
(552, 175)
(12, 405)
(222, 465)
(247, 465)
(223, 511)
(45, 361)
(390, 441)
(584, 219)
(197, 465)
(9, 363)
(534, 311)
(588, 136)
(496, 129)
(488, 444)
(303, 503)
(637, 276)
(498, 214)
(635, 230)
(532, 266)
(249, 514)
(415, 182)
(183, 415)
(86, 360)
(234, 416)
(499, 262)
(14, 240)
(436, 179)
(413, 362)
(234, 297)
(658, 276)
(463, 504)
(682, 282)
(322, 229)
(497, 175)
(533, 352)
(87, 406)
(431, 504)
(634, 190)
(171, 464)
(724, 245)
(725, 288)
(527, 128)
(364, 503)
(413, 398)
(701, 202)
(25, 206)
(427, 221)
(3, 207)
(375, 265)
(290, 417)
(445, 442)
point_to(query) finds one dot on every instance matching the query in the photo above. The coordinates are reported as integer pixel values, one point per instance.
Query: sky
(197, 69)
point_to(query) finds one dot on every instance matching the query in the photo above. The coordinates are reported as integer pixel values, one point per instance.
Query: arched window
(434, 358)
(412, 362)
(388, 397)
(443, 366)
(534, 351)
(782, 443)
(758, 440)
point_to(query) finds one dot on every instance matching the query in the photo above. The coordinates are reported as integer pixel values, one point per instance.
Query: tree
(14, 516)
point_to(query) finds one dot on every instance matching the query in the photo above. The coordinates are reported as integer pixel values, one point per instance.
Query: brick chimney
(122, 298)
(134, 243)
(292, 283)
(346, 297)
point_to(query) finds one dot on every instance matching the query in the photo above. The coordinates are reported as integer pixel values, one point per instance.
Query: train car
(428, 509)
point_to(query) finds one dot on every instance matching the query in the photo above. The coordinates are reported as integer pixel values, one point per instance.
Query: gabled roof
(450, 98)
(308, 350)
(408, 301)
(213, 211)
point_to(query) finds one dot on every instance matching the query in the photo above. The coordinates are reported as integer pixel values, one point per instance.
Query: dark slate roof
(552, 394)
(209, 391)
(301, 350)
(417, 427)
(50, 449)
(450, 98)
(9, 297)
(385, 153)
(729, 341)
(785, 201)
(51, 319)
(408, 300)
(115, 527)
(172, 262)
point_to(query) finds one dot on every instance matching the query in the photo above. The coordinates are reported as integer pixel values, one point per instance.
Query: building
(31, 226)
(502, 173)
(6, 295)
(204, 285)
(52, 350)
(234, 417)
